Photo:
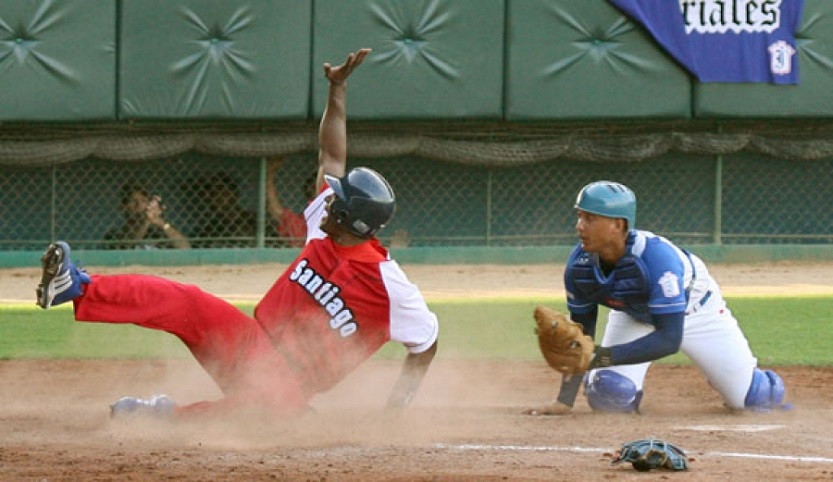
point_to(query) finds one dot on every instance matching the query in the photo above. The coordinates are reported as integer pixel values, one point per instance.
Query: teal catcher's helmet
(610, 199)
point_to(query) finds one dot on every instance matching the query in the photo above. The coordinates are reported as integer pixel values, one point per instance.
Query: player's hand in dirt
(554, 408)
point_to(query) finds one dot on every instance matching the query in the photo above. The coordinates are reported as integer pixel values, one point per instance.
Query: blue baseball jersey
(652, 278)
(725, 40)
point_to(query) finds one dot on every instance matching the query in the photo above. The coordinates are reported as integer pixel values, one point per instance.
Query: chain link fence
(222, 202)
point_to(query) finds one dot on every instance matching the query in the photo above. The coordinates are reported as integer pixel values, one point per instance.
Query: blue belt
(700, 303)
(693, 273)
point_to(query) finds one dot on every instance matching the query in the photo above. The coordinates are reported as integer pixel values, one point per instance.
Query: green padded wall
(812, 97)
(215, 58)
(431, 59)
(571, 59)
(57, 60)
(515, 60)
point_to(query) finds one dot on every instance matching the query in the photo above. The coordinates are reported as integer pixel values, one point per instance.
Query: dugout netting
(458, 183)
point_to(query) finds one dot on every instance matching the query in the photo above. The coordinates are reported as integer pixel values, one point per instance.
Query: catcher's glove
(647, 454)
(563, 342)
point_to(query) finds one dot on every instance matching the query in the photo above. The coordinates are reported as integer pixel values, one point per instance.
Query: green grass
(781, 331)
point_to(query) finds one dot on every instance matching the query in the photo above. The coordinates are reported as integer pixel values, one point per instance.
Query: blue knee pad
(766, 390)
(608, 391)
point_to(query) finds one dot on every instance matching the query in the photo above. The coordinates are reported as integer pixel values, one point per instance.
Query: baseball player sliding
(662, 300)
(334, 306)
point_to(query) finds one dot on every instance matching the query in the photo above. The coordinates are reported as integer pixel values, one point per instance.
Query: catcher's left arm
(568, 350)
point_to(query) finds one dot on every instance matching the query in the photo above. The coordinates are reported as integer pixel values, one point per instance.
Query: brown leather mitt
(563, 342)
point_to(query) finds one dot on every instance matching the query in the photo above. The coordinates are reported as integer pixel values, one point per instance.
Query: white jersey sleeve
(411, 322)
(314, 213)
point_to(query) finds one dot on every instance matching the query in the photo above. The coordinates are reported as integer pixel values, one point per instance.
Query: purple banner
(725, 40)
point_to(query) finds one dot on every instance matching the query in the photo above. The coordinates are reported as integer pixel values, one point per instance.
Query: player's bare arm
(273, 201)
(332, 133)
(410, 378)
(154, 215)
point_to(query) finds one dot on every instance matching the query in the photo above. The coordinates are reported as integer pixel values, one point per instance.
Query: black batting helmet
(364, 201)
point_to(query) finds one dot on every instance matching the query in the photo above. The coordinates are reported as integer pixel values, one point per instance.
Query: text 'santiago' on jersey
(326, 294)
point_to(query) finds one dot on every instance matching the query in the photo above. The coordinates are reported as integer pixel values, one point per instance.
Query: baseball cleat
(60, 280)
(159, 406)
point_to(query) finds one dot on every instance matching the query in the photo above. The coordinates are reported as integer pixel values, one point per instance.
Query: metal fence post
(261, 204)
(53, 203)
(489, 207)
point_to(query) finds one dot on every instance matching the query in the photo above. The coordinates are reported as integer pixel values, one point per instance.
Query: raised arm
(273, 201)
(332, 133)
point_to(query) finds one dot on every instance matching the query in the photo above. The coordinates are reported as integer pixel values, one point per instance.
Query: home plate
(732, 428)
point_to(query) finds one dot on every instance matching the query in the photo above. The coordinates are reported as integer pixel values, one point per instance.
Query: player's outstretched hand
(339, 74)
(554, 408)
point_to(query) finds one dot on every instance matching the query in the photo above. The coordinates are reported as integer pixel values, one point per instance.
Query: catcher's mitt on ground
(647, 454)
(563, 342)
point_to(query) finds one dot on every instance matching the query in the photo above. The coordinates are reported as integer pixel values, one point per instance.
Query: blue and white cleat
(60, 279)
(157, 406)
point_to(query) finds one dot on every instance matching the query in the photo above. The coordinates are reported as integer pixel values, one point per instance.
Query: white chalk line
(732, 428)
(549, 448)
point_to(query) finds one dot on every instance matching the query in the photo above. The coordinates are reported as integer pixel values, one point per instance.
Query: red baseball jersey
(335, 306)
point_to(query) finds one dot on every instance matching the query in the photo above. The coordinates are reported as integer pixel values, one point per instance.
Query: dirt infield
(466, 424)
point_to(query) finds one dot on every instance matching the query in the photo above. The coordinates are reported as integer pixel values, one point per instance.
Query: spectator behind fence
(291, 227)
(225, 223)
(144, 225)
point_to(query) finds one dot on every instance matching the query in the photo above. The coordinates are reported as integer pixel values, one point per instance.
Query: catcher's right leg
(618, 389)
(609, 391)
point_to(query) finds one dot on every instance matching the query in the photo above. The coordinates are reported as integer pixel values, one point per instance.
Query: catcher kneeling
(662, 300)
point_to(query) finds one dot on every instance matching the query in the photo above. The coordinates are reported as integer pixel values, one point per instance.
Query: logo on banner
(781, 58)
(726, 40)
(738, 16)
